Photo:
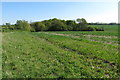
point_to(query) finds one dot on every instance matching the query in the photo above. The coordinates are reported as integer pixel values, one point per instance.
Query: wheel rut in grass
(65, 63)
(78, 52)
(75, 36)
(95, 60)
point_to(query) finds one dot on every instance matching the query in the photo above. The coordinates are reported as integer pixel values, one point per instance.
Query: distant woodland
(53, 25)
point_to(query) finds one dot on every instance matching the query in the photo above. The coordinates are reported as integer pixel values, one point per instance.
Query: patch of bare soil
(100, 36)
(69, 35)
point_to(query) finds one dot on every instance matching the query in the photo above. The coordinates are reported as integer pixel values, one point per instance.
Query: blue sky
(38, 11)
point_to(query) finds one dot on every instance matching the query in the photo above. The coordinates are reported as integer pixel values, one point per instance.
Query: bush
(57, 25)
(38, 26)
(22, 25)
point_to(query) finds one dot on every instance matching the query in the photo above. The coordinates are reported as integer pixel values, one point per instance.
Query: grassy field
(61, 54)
(0, 55)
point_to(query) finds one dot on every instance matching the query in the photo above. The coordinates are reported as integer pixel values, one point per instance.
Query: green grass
(110, 30)
(60, 54)
(0, 55)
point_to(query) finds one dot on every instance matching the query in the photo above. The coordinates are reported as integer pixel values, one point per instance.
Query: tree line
(52, 25)
(97, 23)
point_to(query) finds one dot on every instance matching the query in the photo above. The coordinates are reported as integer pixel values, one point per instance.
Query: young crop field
(61, 54)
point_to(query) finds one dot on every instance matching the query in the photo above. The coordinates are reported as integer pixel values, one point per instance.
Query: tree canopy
(52, 25)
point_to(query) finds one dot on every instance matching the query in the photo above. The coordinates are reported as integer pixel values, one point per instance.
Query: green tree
(39, 26)
(82, 24)
(23, 25)
(19, 24)
(26, 26)
(47, 23)
(57, 25)
(70, 24)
